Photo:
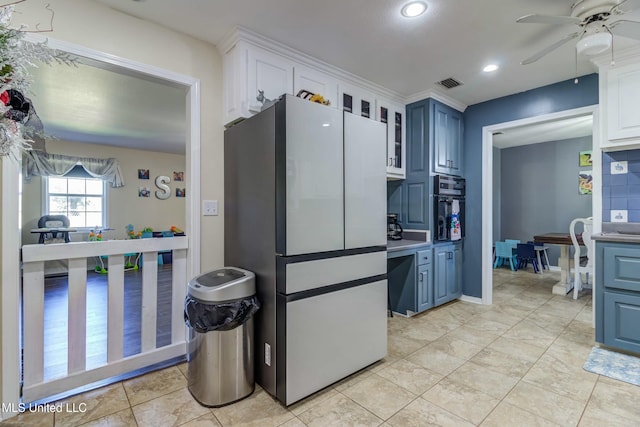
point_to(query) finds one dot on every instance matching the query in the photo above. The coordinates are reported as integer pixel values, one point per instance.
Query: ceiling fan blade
(550, 48)
(624, 28)
(626, 6)
(548, 19)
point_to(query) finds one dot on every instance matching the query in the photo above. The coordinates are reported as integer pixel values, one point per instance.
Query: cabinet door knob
(422, 277)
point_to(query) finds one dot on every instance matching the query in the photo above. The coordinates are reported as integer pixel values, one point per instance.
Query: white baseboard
(474, 300)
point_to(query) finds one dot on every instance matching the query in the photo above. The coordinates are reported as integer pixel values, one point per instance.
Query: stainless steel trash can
(219, 312)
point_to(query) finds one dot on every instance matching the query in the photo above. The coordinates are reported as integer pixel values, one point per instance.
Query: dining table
(565, 285)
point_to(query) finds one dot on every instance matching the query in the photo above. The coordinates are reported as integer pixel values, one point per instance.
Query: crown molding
(445, 99)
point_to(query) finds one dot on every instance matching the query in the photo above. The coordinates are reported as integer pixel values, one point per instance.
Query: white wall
(123, 204)
(98, 27)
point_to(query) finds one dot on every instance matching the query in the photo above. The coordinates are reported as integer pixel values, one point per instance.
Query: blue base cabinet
(447, 272)
(617, 295)
(410, 278)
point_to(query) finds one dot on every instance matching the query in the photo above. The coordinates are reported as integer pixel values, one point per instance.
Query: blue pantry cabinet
(447, 272)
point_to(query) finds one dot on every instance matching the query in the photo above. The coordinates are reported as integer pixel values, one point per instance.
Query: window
(82, 200)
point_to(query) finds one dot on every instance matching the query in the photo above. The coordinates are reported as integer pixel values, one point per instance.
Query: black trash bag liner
(218, 316)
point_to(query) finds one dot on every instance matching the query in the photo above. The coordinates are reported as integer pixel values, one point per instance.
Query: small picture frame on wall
(180, 192)
(585, 182)
(144, 192)
(585, 158)
(178, 176)
(143, 173)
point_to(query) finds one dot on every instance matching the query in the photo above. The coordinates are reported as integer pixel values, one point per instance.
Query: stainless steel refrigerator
(305, 210)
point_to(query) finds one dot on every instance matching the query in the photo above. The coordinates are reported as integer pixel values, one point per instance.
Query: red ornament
(5, 98)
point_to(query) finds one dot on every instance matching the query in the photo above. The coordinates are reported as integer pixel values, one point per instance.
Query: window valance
(37, 163)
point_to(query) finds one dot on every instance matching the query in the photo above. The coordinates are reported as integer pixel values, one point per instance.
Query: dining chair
(504, 254)
(582, 264)
(526, 252)
(512, 242)
(543, 260)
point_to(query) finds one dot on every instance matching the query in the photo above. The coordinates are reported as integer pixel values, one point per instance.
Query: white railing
(35, 386)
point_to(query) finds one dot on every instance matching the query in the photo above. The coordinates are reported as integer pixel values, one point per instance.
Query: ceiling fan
(597, 21)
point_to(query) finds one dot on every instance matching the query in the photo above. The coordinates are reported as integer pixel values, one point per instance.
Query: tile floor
(515, 363)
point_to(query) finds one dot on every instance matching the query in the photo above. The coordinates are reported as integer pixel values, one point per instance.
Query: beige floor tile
(455, 347)
(548, 321)
(258, 410)
(499, 316)
(435, 360)
(410, 376)
(544, 403)
(509, 415)
(425, 330)
(616, 397)
(493, 383)
(30, 419)
(294, 422)
(527, 351)
(586, 315)
(461, 400)
(379, 396)
(388, 360)
(400, 346)
(171, 409)
(422, 413)
(99, 403)
(155, 384)
(513, 308)
(507, 364)
(529, 331)
(123, 418)
(595, 417)
(579, 333)
(206, 420)
(339, 411)
(473, 336)
(311, 401)
(184, 367)
(566, 379)
(569, 352)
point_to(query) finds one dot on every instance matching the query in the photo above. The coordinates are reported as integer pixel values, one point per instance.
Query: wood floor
(55, 318)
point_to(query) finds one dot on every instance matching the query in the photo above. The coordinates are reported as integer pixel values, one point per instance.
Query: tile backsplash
(621, 186)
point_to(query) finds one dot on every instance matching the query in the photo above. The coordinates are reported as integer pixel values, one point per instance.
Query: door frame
(487, 182)
(11, 210)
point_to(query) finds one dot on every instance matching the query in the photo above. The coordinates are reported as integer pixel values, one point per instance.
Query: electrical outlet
(209, 207)
(267, 354)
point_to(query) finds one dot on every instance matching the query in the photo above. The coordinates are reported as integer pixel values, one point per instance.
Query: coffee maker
(394, 229)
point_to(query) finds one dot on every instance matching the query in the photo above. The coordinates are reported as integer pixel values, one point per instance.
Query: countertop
(621, 232)
(398, 245)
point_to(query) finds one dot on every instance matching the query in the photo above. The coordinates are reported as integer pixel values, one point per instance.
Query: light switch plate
(618, 168)
(619, 216)
(209, 207)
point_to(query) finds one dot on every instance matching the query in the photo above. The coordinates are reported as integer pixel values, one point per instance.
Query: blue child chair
(504, 254)
(526, 253)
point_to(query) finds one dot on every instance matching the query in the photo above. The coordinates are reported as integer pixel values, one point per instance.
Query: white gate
(76, 253)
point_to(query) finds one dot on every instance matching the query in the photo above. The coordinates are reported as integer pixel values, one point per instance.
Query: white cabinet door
(623, 97)
(356, 100)
(365, 182)
(314, 178)
(314, 81)
(268, 72)
(393, 115)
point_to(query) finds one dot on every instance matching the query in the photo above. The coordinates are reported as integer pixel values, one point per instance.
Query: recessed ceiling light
(413, 9)
(489, 68)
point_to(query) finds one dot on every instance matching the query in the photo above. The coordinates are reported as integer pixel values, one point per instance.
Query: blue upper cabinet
(446, 138)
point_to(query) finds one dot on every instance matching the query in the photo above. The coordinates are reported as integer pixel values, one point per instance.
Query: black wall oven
(446, 190)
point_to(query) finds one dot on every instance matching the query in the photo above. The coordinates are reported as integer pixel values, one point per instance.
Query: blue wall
(544, 100)
(621, 191)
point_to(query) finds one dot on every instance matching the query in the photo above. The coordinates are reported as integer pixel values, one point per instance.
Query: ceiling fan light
(594, 44)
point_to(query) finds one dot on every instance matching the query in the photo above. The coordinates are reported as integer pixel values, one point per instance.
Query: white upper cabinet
(623, 99)
(393, 115)
(269, 73)
(356, 100)
(305, 78)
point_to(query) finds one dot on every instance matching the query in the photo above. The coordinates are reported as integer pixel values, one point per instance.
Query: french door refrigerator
(305, 210)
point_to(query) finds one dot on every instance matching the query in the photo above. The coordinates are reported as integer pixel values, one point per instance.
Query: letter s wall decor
(165, 191)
